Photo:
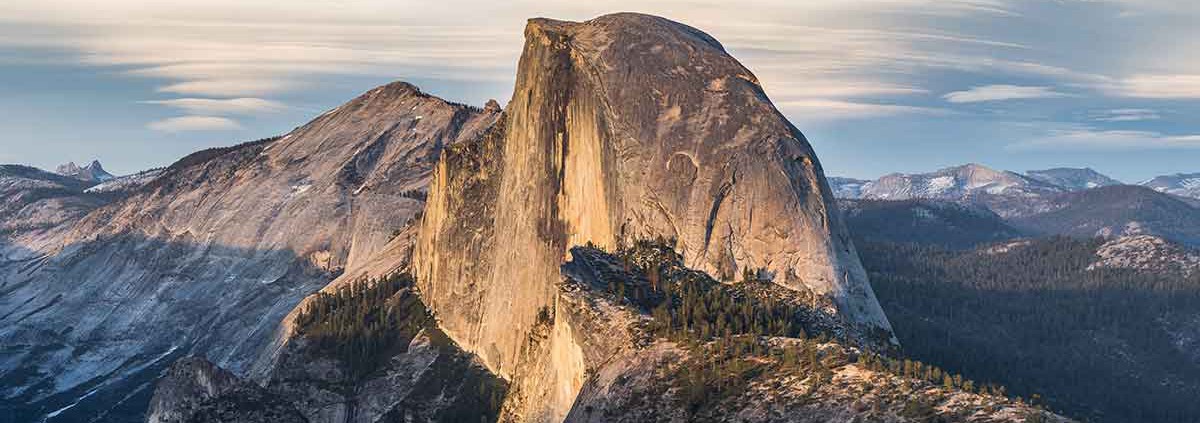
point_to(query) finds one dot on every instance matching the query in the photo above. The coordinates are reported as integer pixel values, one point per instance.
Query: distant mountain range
(1060, 201)
(1084, 293)
(1006, 193)
(1181, 184)
(1073, 179)
(974, 179)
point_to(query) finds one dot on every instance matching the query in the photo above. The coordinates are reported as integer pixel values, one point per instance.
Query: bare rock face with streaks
(210, 255)
(621, 128)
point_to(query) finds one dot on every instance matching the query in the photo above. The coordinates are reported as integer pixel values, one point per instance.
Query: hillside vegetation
(1106, 344)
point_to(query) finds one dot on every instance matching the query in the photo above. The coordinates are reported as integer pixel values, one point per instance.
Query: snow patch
(999, 188)
(940, 184)
(127, 182)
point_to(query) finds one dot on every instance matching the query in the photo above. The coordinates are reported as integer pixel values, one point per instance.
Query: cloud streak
(820, 60)
(1001, 92)
(1091, 139)
(1126, 115)
(194, 123)
(228, 106)
(1158, 86)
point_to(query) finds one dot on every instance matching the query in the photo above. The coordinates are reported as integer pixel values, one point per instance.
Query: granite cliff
(621, 128)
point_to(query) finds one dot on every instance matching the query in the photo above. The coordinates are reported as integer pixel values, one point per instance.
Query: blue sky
(877, 86)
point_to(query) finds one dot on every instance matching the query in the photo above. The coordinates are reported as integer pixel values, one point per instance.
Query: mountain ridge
(208, 257)
(1069, 179)
(1181, 184)
(1073, 179)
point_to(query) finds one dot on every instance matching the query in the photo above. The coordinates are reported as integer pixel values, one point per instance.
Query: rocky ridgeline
(208, 257)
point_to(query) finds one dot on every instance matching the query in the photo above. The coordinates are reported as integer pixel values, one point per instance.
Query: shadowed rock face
(624, 127)
(209, 257)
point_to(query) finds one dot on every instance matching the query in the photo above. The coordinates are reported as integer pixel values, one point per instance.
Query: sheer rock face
(211, 255)
(624, 127)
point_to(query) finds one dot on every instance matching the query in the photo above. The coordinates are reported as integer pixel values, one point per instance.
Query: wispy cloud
(228, 48)
(820, 60)
(227, 87)
(225, 106)
(1001, 92)
(1125, 115)
(194, 123)
(1090, 139)
(1158, 86)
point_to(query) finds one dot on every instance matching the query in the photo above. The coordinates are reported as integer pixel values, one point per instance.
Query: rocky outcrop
(1147, 253)
(196, 391)
(624, 127)
(188, 383)
(635, 373)
(412, 372)
(208, 257)
(93, 173)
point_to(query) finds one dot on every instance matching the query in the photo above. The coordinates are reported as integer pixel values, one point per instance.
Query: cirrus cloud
(194, 123)
(1158, 86)
(1126, 115)
(227, 87)
(214, 106)
(1092, 139)
(1001, 92)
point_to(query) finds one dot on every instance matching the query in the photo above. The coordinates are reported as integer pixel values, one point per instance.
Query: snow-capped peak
(1181, 184)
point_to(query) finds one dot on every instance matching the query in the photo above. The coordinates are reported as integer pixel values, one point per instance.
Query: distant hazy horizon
(878, 86)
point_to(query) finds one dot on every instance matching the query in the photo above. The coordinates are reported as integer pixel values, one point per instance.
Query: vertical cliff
(620, 128)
